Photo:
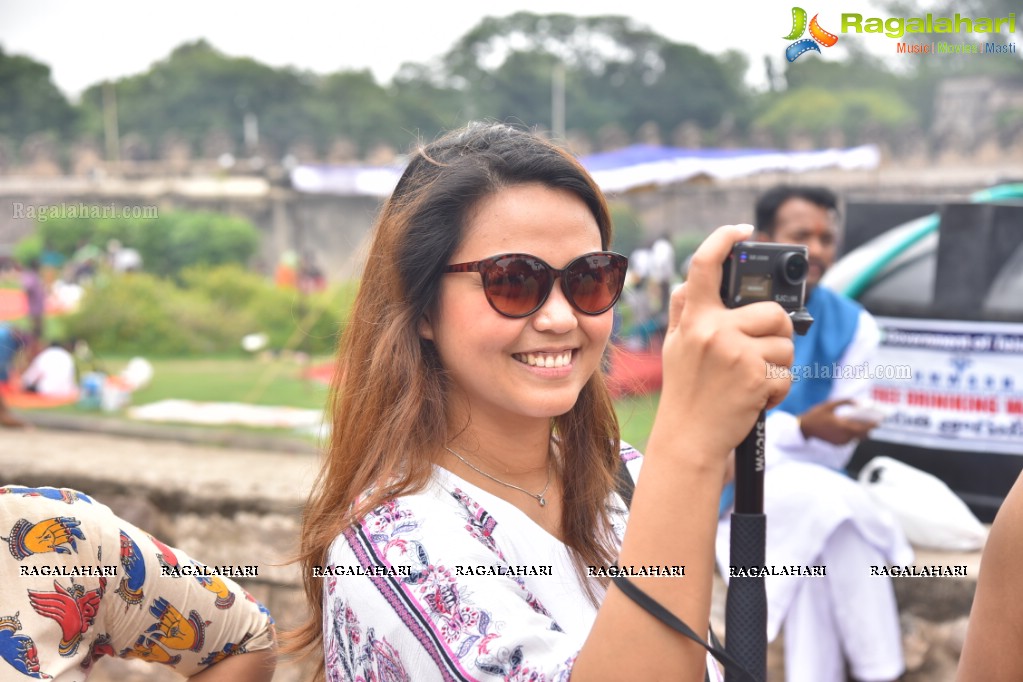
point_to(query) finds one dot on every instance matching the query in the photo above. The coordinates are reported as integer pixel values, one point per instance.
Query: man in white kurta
(816, 515)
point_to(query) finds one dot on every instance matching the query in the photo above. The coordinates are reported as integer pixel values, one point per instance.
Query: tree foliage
(208, 310)
(31, 102)
(198, 90)
(816, 111)
(616, 73)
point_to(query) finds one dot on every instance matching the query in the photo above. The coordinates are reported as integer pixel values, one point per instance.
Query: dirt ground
(282, 477)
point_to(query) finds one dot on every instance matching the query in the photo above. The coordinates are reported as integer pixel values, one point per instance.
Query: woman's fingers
(766, 318)
(722, 366)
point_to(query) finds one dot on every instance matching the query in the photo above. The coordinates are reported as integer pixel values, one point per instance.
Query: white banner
(965, 389)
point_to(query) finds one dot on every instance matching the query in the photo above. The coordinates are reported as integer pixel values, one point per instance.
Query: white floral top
(454, 583)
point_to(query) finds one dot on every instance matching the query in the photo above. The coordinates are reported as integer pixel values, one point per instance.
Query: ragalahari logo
(817, 35)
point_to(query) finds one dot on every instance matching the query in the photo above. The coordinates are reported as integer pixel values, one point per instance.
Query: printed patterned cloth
(448, 592)
(77, 582)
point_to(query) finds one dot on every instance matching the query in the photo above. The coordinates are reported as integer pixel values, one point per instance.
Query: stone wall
(335, 228)
(331, 227)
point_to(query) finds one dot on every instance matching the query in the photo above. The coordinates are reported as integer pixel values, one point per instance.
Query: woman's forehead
(528, 219)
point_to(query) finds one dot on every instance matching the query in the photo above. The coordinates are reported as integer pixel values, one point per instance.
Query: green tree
(31, 102)
(858, 71)
(816, 111)
(168, 244)
(616, 73)
(425, 104)
(691, 86)
(198, 89)
(352, 104)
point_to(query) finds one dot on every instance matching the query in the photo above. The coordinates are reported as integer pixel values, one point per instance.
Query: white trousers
(848, 615)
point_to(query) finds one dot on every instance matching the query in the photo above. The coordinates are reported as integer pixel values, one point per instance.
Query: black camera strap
(625, 487)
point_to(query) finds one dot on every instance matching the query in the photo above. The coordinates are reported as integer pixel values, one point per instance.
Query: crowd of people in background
(32, 359)
(34, 356)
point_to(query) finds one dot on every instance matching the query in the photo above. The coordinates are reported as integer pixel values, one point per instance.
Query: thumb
(705, 267)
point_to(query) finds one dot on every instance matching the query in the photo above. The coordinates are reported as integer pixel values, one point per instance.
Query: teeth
(545, 359)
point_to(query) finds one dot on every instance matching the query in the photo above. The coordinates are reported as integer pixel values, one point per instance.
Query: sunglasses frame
(482, 266)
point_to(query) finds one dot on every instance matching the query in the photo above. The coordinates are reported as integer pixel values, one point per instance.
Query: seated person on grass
(52, 372)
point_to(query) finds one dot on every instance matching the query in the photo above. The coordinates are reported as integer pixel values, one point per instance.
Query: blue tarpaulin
(617, 171)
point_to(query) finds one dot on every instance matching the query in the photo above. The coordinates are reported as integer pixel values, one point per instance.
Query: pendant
(542, 500)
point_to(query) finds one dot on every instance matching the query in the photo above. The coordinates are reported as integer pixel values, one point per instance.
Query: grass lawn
(279, 381)
(276, 381)
(636, 416)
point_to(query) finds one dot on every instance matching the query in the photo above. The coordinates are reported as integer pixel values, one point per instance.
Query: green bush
(139, 314)
(28, 249)
(289, 321)
(185, 239)
(294, 321)
(231, 286)
(168, 243)
(210, 312)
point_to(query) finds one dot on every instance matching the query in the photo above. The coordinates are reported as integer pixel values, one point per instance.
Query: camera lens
(794, 267)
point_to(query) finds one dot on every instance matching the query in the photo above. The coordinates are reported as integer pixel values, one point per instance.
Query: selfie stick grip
(746, 603)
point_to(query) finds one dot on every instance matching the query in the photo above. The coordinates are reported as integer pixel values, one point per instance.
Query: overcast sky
(85, 42)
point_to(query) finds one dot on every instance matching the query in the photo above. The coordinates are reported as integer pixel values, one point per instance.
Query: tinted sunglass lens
(594, 282)
(517, 286)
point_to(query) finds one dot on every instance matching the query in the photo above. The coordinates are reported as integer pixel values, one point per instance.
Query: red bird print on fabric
(74, 609)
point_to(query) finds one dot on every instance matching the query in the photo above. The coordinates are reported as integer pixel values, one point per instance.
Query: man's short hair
(771, 200)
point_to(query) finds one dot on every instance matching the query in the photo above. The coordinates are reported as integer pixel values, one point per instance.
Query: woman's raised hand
(716, 360)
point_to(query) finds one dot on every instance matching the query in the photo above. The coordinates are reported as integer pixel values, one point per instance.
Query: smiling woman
(535, 363)
(473, 428)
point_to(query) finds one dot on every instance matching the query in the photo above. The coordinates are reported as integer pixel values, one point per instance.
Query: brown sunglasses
(517, 284)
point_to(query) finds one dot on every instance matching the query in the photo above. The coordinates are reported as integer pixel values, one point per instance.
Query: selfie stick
(746, 602)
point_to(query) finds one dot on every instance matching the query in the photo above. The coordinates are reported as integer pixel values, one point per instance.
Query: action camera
(765, 271)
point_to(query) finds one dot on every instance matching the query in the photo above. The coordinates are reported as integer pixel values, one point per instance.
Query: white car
(947, 290)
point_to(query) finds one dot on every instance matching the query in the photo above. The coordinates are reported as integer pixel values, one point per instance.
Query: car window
(905, 286)
(1005, 297)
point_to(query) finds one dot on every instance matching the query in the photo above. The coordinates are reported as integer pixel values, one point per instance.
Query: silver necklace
(539, 497)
